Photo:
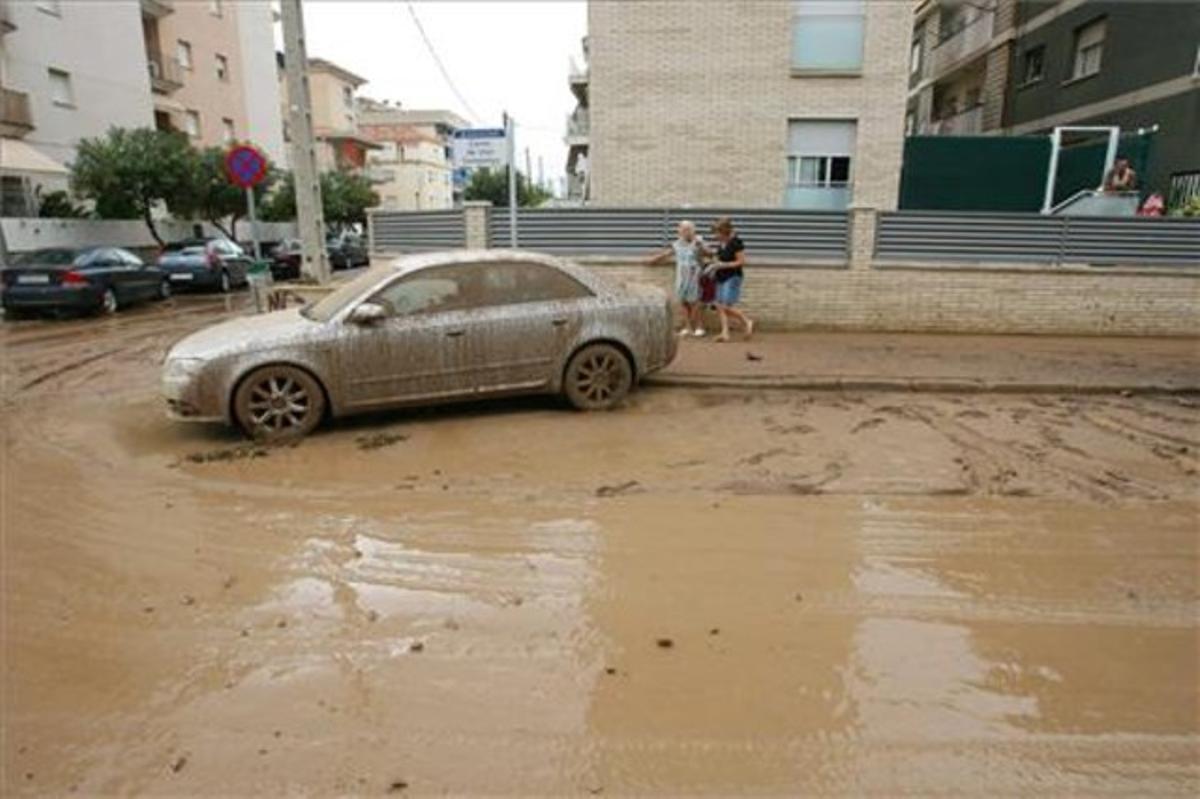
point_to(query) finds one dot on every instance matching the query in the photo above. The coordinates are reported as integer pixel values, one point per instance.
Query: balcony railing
(577, 73)
(15, 119)
(579, 125)
(966, 123)
(971, 40)
(166, 75)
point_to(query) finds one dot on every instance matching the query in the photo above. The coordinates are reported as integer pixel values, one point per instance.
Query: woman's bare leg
(745, 321)
(723, 312)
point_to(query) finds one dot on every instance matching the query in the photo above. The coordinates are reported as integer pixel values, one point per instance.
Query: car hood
(246, 334)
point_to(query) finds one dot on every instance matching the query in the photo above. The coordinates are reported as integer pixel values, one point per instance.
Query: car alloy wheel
(108, 302)
(164, 290)
(276, 403)
(598, 377)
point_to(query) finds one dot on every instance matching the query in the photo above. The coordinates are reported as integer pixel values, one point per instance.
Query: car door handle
(559, 322)
(455, 333)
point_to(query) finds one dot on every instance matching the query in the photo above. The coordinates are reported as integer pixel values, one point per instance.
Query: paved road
(706, 592)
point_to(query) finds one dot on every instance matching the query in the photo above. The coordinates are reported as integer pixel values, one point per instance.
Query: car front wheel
(164, 290)
(108, 302)
(598, 377)
(278, 403)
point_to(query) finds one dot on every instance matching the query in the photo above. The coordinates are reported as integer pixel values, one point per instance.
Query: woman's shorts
(730, 292)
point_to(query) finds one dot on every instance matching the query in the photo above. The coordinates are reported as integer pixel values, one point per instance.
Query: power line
(441, 67)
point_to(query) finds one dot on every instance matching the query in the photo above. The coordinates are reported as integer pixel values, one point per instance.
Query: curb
(916, 384)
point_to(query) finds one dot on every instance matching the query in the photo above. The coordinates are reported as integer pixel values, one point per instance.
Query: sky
(501, 55)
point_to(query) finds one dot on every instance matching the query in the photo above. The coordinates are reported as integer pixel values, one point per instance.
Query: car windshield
(328, 307)
(49, 257)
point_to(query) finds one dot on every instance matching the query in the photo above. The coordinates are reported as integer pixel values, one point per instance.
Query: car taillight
(73, 278)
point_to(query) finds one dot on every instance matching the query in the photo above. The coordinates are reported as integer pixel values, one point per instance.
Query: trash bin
(259, 278)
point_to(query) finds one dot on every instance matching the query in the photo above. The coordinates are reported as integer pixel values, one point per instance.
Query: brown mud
(706, 592)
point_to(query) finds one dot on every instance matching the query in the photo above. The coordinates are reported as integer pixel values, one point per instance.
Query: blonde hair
(723, 225)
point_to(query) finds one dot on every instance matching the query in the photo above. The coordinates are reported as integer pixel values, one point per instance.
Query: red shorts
(708, 290)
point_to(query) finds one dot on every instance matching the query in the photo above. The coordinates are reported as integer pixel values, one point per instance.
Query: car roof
(413, 263)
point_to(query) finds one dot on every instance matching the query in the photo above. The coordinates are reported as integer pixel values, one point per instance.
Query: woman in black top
(728, 272)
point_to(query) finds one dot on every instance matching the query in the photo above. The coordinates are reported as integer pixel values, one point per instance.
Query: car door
(105, 267)
(144, 280)
(530, 315)
(236, 260)
(421, 351)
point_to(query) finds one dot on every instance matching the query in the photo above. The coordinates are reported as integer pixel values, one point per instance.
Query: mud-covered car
(424, 329)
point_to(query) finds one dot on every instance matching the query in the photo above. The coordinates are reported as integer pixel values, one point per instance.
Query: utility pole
(528, 171)
(510, 146)
(310, 215)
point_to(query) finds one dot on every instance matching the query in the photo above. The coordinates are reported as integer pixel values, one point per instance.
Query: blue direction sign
(476, 148)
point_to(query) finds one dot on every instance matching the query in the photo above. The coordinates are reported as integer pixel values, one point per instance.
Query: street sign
(476, 148)
(247, 167)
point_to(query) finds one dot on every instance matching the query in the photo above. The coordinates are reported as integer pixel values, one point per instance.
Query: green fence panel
(974, 173)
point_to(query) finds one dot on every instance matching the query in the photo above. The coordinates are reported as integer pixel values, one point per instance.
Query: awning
(17, 156)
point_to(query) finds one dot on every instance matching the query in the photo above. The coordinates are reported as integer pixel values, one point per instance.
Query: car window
(101, 256)
(442, 288)
(234, 249)
(513, 283)
(48, 257)
(129, 258)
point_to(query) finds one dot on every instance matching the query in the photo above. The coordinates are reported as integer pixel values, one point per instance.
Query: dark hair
(723, 225)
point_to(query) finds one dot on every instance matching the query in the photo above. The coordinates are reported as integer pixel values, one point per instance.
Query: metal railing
(965, 237)
(964, 123)
(969, 40)
(416, 231)
(579, 124)
(1184, 186)
(15, 117)
(796, 235)
(166, 73)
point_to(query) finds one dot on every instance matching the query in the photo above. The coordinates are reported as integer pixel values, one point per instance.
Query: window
(516, 283)
(348, 96)
(1034, 65)
(61, 93)
(1089, 47)
(192, 124)
(183, 54)
(910, 123)
(52, 7)
(222, 67)
(227, 130)
(914, 58)
(827, 35)
(214, 7)
(819, 163)
(436, 290)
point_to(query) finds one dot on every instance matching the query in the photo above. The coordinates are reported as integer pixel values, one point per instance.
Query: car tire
(164, 290)
(109, 304)
(278, 403)
(226, 284)
(597, 377)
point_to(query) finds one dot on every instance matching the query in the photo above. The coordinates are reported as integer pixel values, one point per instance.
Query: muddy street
(707, 592)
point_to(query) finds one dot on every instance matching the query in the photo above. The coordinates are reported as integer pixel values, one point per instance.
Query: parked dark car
(285, 260)
(213, 264)
(346, 251)
(81, 279)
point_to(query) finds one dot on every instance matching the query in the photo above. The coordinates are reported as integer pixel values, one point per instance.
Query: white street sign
(476, 148)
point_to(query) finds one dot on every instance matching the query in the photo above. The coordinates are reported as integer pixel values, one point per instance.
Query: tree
(345, 198)
(128, 173)
(493, 187)
(215, 198)
(59, 205)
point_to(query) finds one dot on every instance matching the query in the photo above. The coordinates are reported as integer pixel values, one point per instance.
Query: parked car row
(106, 279)
(344, 251)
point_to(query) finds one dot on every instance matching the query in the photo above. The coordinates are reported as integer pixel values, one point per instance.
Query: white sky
(501, 55)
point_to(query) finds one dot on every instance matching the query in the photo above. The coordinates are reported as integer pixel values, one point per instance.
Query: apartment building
(73, 69)
(333, 94)
(1026, 66)
(413, 170)
(578, 135)
(781, 104)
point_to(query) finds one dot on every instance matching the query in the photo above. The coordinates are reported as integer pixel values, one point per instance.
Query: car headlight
(182, 368)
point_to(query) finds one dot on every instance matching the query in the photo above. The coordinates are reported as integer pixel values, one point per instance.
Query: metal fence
(1033, 238)
(415, 231)
(796, 235)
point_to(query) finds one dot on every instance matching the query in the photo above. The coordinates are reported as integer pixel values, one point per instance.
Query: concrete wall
(260, 85)
(99, 43)
(329, 109)
(690, 102)
(21, 235)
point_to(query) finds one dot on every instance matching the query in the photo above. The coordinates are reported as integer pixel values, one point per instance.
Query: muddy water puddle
(705, 593)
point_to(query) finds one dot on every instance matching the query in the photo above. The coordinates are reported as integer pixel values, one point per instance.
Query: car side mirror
(367, 313)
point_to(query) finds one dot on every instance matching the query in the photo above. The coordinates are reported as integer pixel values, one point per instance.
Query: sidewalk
(937, 362)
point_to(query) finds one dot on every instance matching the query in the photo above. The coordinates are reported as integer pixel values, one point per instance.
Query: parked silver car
(423, 329)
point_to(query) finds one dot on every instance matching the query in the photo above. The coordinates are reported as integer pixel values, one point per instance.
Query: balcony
(576, 187)
(966, 123)
(166, 75)
(6, 23)
(967, 42)
(15, 119)
(577, 77)
(157, 9)
(578, 127)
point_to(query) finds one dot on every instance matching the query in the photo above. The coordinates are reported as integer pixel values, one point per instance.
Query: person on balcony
(1121, 178)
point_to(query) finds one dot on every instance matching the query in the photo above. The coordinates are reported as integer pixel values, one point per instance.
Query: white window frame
(183, 54)
(1025, 61)
(222, 63)
(824, 164)
(228, 131)
(915, 56)
(61, 78)
(1087, 43)
(810, 9)
(191, 116)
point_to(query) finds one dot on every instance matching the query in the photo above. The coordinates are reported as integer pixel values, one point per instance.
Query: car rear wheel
(164, 290)
(279, 403)
(226, 283)
(598, 377)
(108, 302)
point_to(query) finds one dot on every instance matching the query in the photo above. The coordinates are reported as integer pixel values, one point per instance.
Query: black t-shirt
(727, 253)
